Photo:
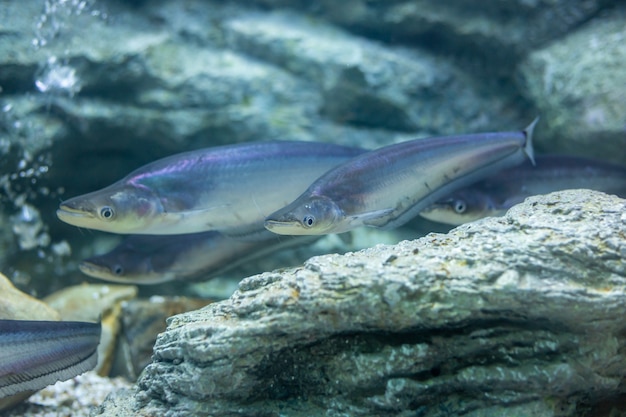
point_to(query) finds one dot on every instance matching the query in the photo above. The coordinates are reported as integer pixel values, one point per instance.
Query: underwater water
(92, 90)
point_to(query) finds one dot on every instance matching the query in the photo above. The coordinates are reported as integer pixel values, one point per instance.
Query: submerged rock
(579, 94)
(370, 84)
(519, 315)
(142, 320)
(16, 305)
(496, 34)
(96, 303)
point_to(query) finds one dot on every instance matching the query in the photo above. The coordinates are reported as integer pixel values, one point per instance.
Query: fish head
(308, 215)
(123, 265)
(115, 209)
(461, 207)
(94, 267)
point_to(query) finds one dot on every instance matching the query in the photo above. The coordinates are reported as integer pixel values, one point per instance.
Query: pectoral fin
(377, 218)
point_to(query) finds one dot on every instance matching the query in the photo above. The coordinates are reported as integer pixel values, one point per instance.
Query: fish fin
(528, 149)
(375, 218)
(510, 202)
(253, 234)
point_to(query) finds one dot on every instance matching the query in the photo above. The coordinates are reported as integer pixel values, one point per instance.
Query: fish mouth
(97, 271)
(284, 227)
(104, 273)
(73, 216)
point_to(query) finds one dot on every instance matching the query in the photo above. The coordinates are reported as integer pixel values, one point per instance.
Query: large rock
(579, 90)
(366, 83)
(520, 315)
(490, 38)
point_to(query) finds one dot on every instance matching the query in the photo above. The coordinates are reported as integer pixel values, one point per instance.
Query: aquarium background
(91, 90)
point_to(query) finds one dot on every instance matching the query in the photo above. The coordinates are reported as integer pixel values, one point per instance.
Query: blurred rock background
(91, 90)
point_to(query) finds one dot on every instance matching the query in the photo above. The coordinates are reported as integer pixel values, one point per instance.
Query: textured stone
(519, 315)
(141, 321)
(578, 90)
(367, 83)
(490, 38)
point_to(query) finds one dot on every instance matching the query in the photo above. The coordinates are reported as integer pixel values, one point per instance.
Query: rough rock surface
(496, 34)
(366, 83)
(520, 315)
(581, 98)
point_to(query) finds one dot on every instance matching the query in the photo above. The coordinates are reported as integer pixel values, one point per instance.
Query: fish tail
(528, 148)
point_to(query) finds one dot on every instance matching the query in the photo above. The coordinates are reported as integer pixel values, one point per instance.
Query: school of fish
(193, 215)
(196, 214)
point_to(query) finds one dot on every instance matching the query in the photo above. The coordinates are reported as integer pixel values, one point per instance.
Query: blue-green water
(92, 90)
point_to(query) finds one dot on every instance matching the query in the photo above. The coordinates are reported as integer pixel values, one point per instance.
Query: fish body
(35, 354)
(146, 259)
(386, 187)
(227, 188)
(493, 196)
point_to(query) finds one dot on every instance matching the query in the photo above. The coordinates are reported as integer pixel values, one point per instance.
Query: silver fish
(144, 259)
(227, 188)
(495, 195)
(35, 354)
(387, 187)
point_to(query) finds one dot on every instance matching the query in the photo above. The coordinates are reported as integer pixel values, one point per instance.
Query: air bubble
(29, 228)
(62, 248)
(58, 79)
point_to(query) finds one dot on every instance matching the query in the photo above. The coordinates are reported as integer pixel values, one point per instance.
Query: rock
(368, 84)
(142, 320)
(490, 38)
(16, 305)
(519, 315)
(579, 94)
(95, 303)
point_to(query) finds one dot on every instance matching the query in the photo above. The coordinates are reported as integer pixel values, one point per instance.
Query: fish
(493, 196)
(385, 188)
(35, 354)
(155, 259)
(230, 189)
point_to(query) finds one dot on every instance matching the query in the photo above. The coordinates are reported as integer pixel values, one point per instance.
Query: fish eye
(308, 221)
(107, 213)
(460, 206)
(118, 270)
